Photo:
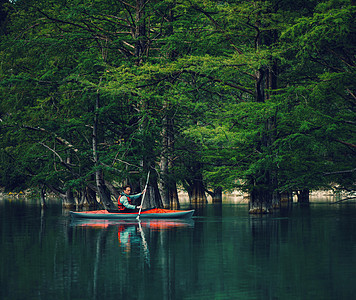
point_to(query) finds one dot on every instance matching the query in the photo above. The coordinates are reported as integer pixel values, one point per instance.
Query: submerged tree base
(68, 205)
(201, 200)
(261, 201)
(259, 211)
(259, 208)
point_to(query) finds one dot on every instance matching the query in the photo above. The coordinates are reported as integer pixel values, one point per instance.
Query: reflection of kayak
(154, 224)
(155, 213)
(168, 224)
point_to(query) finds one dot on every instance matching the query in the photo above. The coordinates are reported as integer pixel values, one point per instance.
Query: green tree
(324, 71)
(213, 95)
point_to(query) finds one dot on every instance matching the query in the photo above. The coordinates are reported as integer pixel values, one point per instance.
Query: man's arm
(134, 197)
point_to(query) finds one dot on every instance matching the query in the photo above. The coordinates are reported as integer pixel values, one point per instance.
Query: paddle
(144, 243)
(143, 197)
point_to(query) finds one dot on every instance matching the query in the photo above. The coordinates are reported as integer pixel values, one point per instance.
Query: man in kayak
(125, 200)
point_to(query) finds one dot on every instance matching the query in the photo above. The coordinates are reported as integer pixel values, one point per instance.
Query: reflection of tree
(99, 243)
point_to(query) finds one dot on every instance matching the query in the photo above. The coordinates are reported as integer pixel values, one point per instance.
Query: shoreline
(237, 197)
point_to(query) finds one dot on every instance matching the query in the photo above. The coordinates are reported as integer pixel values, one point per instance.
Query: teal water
(223, 253)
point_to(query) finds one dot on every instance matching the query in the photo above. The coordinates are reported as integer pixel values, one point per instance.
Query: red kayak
(153, 224)
(154, 213)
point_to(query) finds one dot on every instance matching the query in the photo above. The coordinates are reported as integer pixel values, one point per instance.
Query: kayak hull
(153, 224)
(155, 213)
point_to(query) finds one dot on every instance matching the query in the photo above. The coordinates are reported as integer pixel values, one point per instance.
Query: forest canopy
(208, 95)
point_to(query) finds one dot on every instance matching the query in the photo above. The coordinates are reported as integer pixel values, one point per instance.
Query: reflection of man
(127, 236)
(125, 203)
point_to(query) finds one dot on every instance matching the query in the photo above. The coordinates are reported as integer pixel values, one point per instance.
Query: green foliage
(199, 64)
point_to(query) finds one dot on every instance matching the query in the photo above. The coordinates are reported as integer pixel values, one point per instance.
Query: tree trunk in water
(303, 196)
(173, 196)
(263, 193)
(68, 199)
(102, 190)
(153, 196)
(89, 198)
(286, 199)
(216, 195)
(198, 193)
(260, 201)
(43, 196)
(195, 185)
(197, 190)
(67, 196)
(167, 184)
(164, 175)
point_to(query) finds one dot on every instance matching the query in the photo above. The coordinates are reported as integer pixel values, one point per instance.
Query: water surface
(222, 253)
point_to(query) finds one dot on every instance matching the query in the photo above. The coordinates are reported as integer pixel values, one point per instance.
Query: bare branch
(68, 166)
(345, 199)
(340, 172)
(59, 139)
(346, 143)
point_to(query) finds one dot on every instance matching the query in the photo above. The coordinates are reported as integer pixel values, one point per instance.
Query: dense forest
(208, 96)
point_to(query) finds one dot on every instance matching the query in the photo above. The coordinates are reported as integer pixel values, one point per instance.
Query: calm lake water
(222, 253)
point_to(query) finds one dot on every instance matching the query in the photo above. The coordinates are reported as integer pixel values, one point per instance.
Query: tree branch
(346, 143)
(59, 139)
(67, 165)
(220, 81)
(340, 172)
(349, 198)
